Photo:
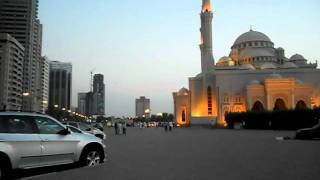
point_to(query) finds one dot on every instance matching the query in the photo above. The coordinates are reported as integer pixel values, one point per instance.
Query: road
(196, 154)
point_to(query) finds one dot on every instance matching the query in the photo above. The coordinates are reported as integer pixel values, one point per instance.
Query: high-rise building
(11, 67)
(60, 84)
(143, 107)
(44, 84)
(19, 18)
(82, 103)
(98, 95)
(89, 104)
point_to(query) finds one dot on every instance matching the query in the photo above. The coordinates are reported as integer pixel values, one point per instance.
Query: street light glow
(26, 94)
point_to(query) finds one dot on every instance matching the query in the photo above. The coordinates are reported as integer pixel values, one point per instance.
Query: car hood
(87, 136)
(304, 129)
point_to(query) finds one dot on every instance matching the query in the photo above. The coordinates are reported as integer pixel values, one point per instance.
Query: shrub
(282, 120)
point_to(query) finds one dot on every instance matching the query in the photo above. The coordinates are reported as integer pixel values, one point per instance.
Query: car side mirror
(64, 132)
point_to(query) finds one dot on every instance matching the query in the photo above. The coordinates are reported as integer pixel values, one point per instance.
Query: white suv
(29, 140)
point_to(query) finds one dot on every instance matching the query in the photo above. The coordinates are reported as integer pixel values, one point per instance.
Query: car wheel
(91, 157)
(4, 171)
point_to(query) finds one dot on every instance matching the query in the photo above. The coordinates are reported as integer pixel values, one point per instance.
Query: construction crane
(91, 79)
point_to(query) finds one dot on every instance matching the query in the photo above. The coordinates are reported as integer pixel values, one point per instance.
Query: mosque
(256, 76)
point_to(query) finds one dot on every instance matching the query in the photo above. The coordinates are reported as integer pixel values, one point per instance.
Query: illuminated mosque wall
(255, 76)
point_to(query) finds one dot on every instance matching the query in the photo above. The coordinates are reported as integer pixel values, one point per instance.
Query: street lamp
(56, 106)
(25, 94)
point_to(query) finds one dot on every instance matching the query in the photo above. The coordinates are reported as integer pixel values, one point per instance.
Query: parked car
(29, 140)
(98, 126)
(87, 128)
(309, 133)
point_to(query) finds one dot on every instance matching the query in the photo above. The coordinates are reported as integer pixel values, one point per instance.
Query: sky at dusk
(150, 47)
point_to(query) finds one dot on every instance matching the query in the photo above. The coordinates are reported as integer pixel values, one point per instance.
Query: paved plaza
(198, 153)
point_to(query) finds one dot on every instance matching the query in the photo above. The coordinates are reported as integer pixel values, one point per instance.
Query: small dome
(247, 67)
(280, 49)
(254, 82)
(224, 59)
(268, 66)
(183, 91)
(297, 57)
(275, 76)
(252, 36)
(289, 65)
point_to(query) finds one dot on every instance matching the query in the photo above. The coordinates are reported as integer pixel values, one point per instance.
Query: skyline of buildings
(92, 103)
(20, 18)
(143, 107)
(60, 84)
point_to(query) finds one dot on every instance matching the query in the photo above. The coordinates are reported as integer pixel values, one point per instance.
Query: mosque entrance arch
(301, 105)
(257, 107)
(183, 115)
(279, 105)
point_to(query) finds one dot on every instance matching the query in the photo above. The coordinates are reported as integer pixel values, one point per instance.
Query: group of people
(168, 126)
(120, 128)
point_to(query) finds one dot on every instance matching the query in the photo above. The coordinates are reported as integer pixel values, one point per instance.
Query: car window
(73, 124)
(17, 125)
(48, 126)
(84, 127)
(73, 129)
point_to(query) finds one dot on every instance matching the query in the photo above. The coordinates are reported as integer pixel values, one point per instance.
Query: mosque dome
(251, 36)
(268, 66)
(224, 59)
(275, 76)
(183, 91)
(289, 65)
(254, 82)
(297, 57)
(256, 52)
(247, 67)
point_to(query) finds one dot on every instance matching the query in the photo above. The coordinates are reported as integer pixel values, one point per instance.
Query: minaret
(207, 60)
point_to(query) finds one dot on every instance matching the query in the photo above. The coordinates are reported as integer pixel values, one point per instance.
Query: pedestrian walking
(120, 128)
(124, 128)
(116, 128)
(170, 126)
(166, 126)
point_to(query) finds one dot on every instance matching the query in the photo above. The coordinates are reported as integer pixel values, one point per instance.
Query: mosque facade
(256, 76)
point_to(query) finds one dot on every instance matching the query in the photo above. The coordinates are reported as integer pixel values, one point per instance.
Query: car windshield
(84, 127)
(74, 129)
(317, 126)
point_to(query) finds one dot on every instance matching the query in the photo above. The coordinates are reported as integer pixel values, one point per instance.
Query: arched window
(209, 95)
(279, 105)
(301, 105)
(183, 115)
(257, 107)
